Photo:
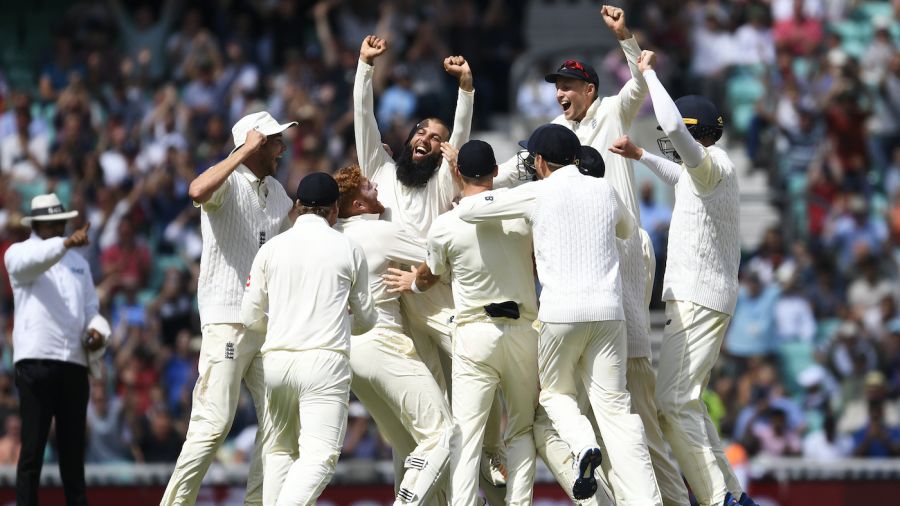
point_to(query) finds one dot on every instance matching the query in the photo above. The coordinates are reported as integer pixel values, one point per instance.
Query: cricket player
(416, 188)
(494, 344)
(297, 293)
(389, 378)
(700, 286)
(576, 220)
(598, 121)
(241, 207)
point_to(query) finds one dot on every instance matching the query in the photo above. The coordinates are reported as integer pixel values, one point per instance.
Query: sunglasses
(576, 66)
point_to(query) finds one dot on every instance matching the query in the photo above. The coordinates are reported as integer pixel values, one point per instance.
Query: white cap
(812, 375)
(47, 208)
(260, 121)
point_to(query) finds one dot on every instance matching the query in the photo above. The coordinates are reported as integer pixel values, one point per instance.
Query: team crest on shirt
(594, 123)
(248, 281)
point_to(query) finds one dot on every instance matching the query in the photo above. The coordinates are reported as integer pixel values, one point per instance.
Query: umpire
(57, 332)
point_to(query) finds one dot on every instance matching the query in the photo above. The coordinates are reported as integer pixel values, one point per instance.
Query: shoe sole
(586, 484)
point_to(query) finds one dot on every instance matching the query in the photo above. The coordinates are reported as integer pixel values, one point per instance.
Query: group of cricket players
(432, 260)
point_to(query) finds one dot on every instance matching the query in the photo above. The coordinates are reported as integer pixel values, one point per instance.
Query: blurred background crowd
(120, 105)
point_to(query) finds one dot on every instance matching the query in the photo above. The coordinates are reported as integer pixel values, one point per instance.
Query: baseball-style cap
(555, 143)
(261, 121)
(476, 159)
(697, 110)
(576, 70)
(317, 190)
(590, 162)
(47, 208)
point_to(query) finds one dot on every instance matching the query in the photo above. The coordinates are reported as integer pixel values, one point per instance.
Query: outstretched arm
(632, 95)
(458, 67)
(666, 170)
(369, 150)
(518, 202)
(26, 261)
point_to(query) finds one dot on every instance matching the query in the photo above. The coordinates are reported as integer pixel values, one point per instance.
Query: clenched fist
(458, 67)
(79, 237)
(646, 60)
(624, 147)
(372, 47)
(614, 17)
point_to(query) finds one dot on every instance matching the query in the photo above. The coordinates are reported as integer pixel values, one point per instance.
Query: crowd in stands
(133, 100)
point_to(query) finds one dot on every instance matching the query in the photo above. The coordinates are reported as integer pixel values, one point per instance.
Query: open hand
(398, 280)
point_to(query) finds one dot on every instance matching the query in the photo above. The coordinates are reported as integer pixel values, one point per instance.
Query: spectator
(825, 445)
(11, 442)
(868, 290)
(800, 33)
(877, 438)
(771, 436)
(107, 435)
(752, 327)
(853, 417)
(158, 441)
(23, 156)
(794, 321)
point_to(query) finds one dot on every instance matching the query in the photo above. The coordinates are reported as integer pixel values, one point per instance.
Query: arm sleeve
(671, 122)
(664, 169)
(364, 315)
(462, 129)
(369, 150)
(255, 304)
(518, 202)
(217, 198)
(26, 261)
(632, 94)
(435, 256)
(626, 224)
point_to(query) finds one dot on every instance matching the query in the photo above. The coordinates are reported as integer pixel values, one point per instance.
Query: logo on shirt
(77, 270)
(248, 281)
(229, 350)
(594, 123)
(668, 321)
(262, 238)
(489, 198)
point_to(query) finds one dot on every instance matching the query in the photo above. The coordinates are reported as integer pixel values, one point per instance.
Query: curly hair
(349, 180)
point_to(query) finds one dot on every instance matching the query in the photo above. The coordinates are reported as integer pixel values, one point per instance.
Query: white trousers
(399, 392)
(595, 354)
(308, 394)
(488, 356)
(691, 342)
(228, 353)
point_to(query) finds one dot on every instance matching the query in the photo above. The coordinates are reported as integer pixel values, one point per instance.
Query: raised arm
(632, 94)
(27, 260)
(458, 67)
(255, 304)
(360, 299)
(519, 202)
(204, 186)
(369, 150)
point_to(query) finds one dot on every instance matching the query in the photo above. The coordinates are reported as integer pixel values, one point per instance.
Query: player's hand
(79, 237)
(449, 153)
(624, 147)
(398, 280)
(646, 60)
(458, 67)
(614, 17)
(255, 140)
(93, 341)
(372, 47)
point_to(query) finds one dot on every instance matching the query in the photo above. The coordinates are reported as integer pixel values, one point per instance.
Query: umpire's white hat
(261, 121)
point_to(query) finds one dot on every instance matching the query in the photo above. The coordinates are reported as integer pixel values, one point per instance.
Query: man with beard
(389, 378)
(598, 121)
(415, 189)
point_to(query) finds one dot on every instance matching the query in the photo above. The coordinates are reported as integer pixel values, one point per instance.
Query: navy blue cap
(476, 159)
(318, 190)
(576, 70)
(555, 143)
(590, 162)
(697, 110)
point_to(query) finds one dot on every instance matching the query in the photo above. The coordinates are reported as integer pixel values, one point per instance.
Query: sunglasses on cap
(576, 66)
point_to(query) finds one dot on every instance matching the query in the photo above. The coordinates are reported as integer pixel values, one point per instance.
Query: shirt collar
(308, 219)
(568, 170)
(247, 173)
(359, 217)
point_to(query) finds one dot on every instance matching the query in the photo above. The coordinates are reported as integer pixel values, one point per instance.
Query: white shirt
(54, 300)
(14, 161)
(241, 216)
(489, 263)
(300, 285)
(576, 220)
(385, 245)
(413, 208)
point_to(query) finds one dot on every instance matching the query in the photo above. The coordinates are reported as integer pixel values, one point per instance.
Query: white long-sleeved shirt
(702, 264)
(385, 245)
(54, 300)
(489, 263)
(300, 285)
(575, 220)
(241, 215)
(607, 119)
(413, 208)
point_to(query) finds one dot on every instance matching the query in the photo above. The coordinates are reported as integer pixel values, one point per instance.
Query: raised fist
(79, 237)
(372, 47)
(458, 67)
(624, 147)
(646, 60)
